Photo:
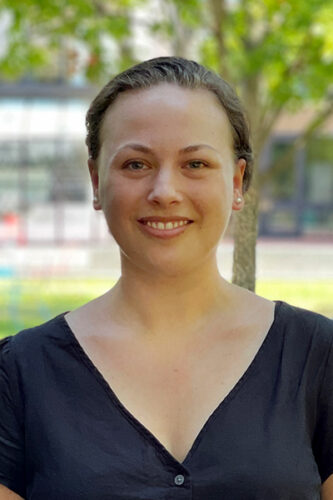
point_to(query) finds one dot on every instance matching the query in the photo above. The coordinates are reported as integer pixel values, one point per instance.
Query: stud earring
(239, 200)
(95, 197)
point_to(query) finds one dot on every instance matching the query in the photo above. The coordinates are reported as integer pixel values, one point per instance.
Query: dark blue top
(65, 435)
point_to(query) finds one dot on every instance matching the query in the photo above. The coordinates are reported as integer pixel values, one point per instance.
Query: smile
(164, 229)
(166, 225)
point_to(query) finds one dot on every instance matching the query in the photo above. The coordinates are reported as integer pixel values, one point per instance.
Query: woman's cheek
(109, 191)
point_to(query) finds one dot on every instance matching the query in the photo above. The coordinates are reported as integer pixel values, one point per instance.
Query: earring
(95, 197)
(239, 200)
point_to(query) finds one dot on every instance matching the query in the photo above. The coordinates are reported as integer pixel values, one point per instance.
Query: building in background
(45, 195)
(298, 198)
(44, 185)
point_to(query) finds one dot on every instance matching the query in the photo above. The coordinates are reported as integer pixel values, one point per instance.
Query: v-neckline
(142, 428)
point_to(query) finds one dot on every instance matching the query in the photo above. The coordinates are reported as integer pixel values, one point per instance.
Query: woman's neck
(160, 305)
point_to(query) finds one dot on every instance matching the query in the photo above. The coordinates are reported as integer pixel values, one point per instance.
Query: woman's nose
(164, 189)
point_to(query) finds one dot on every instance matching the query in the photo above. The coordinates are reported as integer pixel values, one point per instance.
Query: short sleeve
(12, 468)
(323, 439)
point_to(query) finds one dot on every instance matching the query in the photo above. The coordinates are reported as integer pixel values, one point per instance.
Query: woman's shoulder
(305, 321)
(29, 340)
(288, 317)
(297, 327)
(306, 337)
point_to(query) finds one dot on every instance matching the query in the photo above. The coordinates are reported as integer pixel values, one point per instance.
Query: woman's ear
(94, 176)
(238, 199)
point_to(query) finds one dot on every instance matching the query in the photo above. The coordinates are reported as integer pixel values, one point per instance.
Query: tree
(277, 53)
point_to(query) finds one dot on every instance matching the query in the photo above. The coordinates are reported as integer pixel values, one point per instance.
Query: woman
(175, 383)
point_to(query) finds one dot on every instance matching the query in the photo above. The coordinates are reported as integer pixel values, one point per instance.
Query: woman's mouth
(164, 228)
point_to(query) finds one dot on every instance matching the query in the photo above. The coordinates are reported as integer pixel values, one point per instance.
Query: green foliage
(285, 45)
(208, 53)
(281, 43)
(190, 12)
(40, 30)
(164, 28)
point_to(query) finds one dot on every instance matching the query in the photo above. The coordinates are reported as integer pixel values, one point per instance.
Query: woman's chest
(174, 391)
(86, 436)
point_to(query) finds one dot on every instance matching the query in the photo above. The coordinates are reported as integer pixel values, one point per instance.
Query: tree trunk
(245, 236)
(246, 221)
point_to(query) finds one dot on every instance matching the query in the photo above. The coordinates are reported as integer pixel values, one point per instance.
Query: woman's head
(184, 73)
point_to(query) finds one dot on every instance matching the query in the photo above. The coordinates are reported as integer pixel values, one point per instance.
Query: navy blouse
(65, 435)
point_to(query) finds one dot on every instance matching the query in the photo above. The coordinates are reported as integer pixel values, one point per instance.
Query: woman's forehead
(166, 108)
(166, 93)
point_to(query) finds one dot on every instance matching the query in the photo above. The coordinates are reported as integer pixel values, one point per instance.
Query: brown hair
(185, 73)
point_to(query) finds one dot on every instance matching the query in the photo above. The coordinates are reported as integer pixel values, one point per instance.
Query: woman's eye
(196, 165)
(135, 165)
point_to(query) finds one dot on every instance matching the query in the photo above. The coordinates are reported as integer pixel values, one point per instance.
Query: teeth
(167, 225)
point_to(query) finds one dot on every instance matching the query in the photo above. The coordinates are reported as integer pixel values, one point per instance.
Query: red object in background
(13, 228)
(11, 219)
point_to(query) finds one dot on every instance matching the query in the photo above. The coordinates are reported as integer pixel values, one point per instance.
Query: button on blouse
(179, 479)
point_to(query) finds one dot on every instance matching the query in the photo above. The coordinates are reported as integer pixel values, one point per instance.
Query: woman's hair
(182, 72)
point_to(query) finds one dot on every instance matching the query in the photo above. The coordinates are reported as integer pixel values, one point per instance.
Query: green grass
(29, 302)
(316, 295)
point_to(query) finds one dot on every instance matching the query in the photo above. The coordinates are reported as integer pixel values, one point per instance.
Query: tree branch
(181, 33)
(218, 16)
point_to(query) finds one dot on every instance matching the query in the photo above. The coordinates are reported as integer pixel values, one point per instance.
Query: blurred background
(55, 251)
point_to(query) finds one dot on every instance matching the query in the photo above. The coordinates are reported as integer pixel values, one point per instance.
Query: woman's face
(166, 178)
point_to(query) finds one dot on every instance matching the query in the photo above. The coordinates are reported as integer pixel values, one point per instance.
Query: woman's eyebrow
(130, 145)
(194, 147)
(136, 147)
(145, 149)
